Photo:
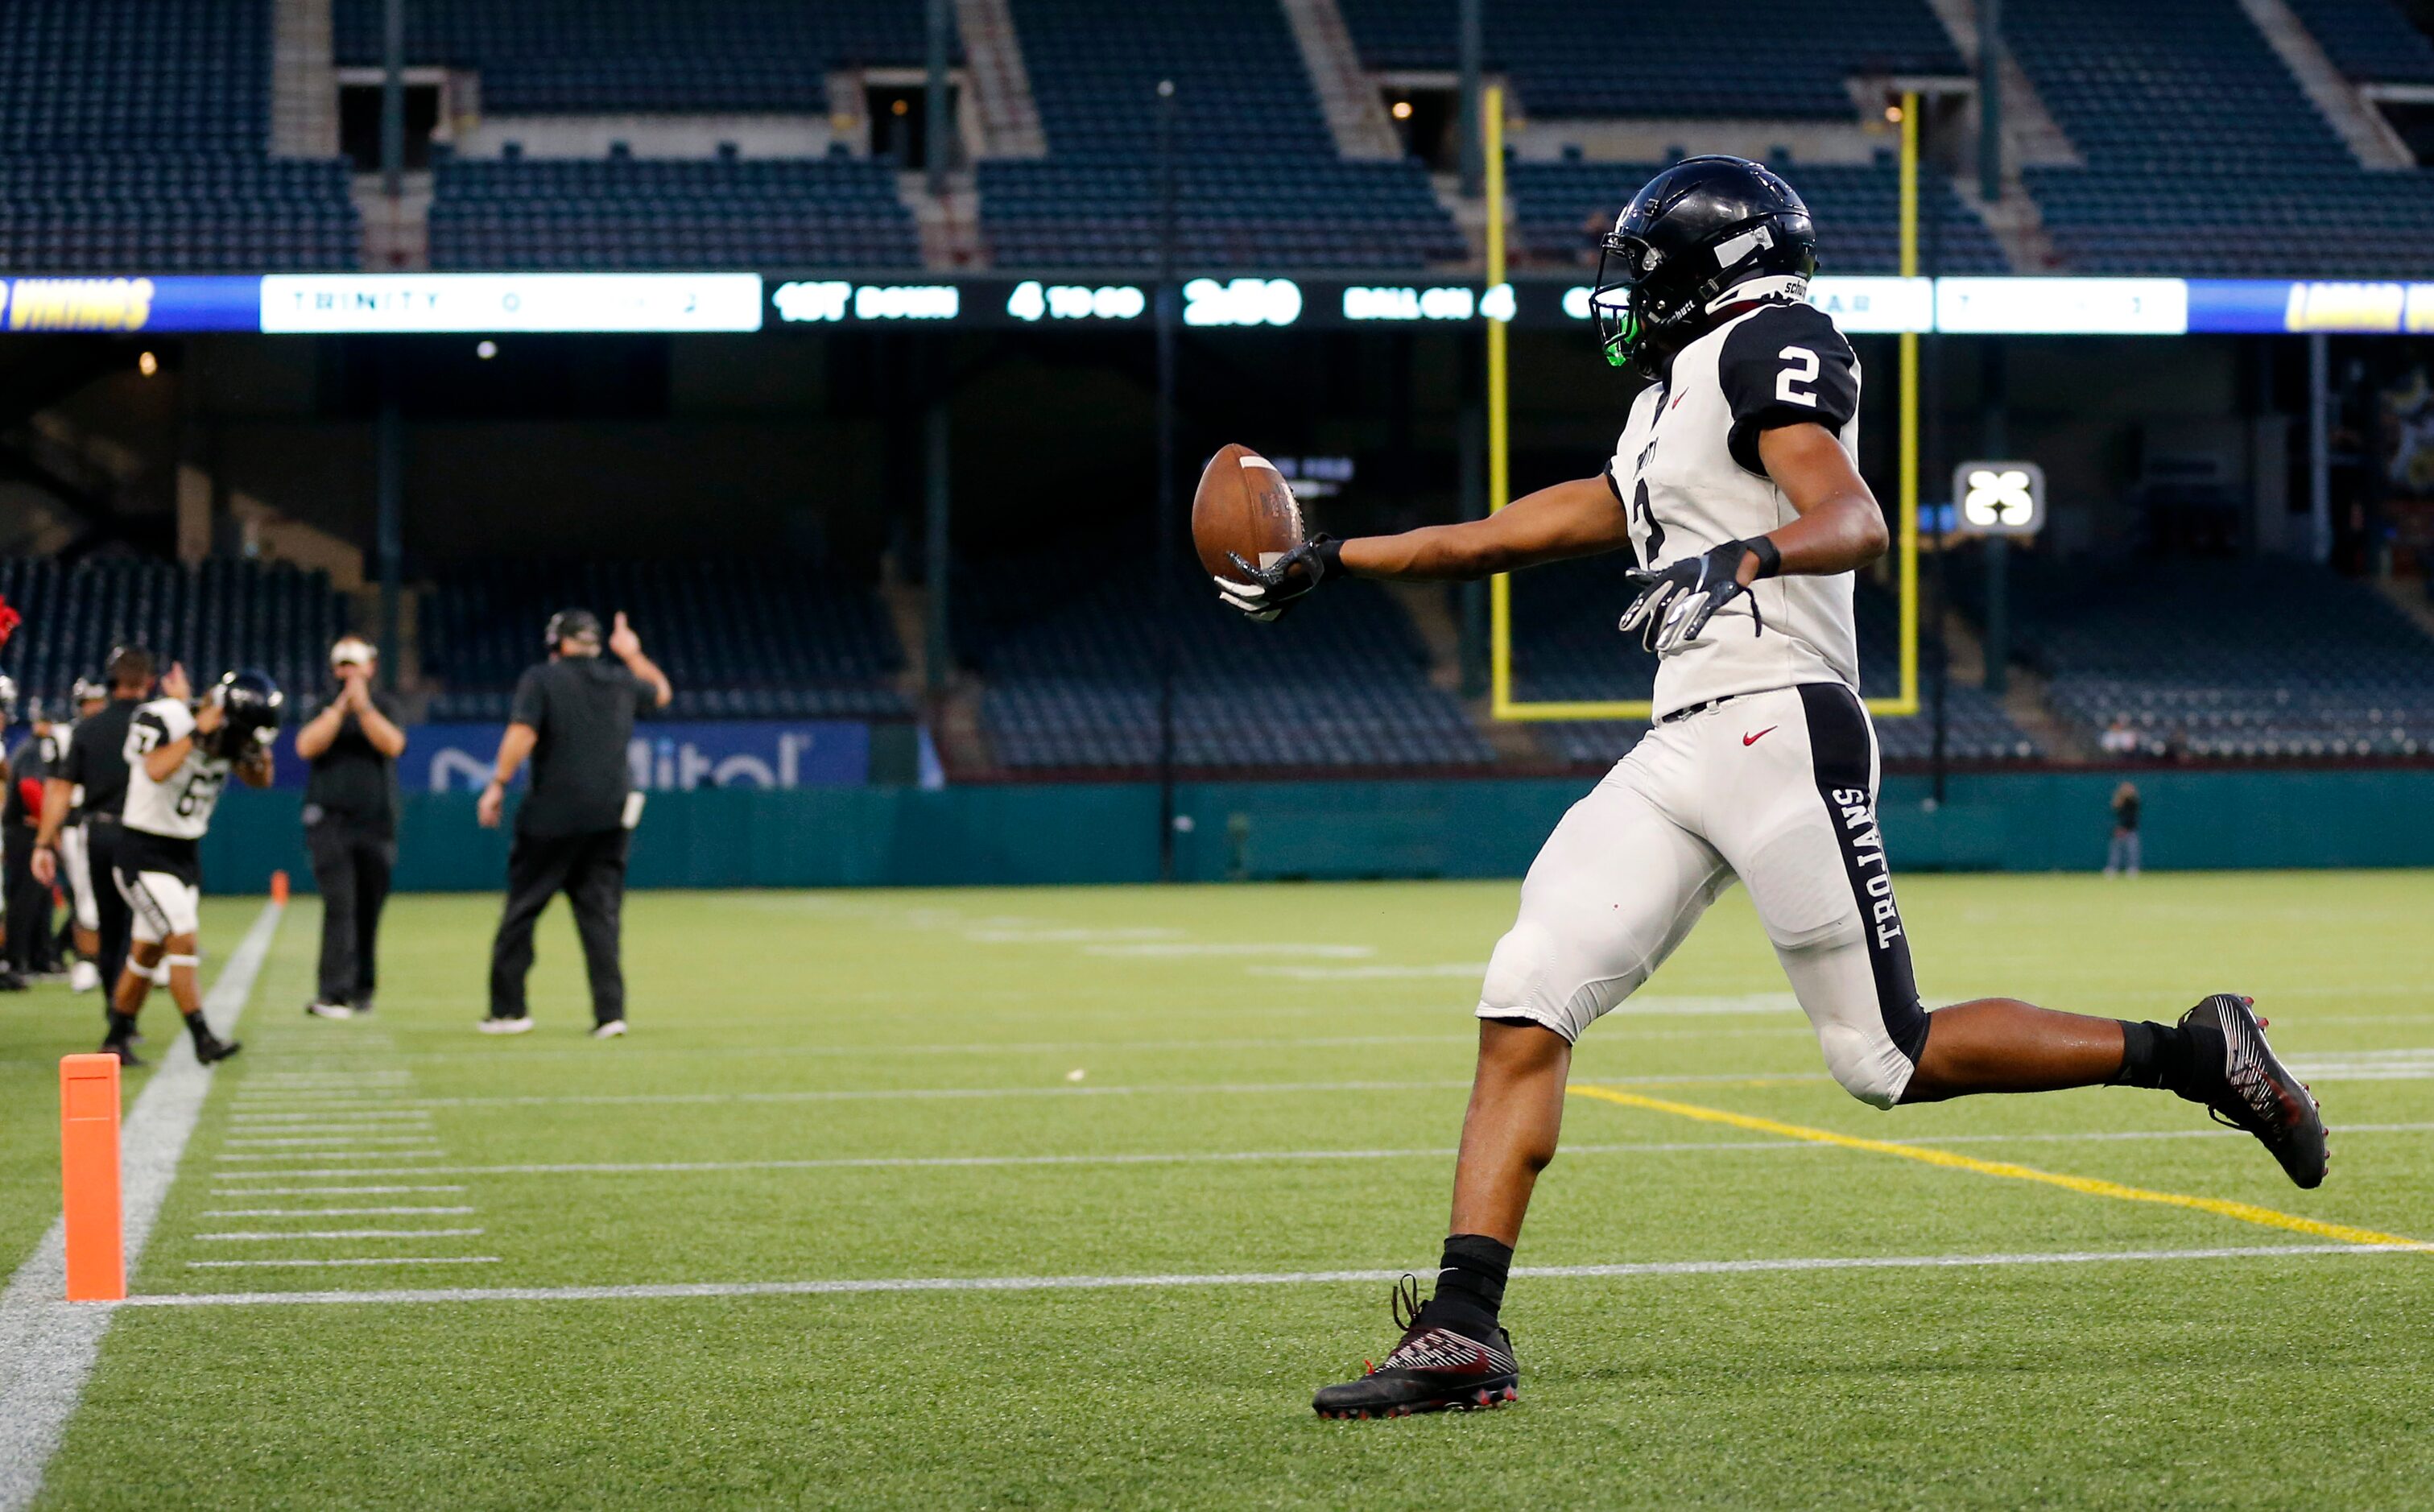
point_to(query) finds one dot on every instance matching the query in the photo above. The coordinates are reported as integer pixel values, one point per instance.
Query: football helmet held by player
(252, 703)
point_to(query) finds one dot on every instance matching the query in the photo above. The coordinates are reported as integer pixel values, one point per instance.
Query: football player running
(1734, 486)
(178, 758)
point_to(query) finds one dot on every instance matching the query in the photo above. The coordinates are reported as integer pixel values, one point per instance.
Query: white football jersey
(1686, 468)
(182, 807)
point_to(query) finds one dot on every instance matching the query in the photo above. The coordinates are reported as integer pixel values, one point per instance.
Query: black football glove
(1676, 602)
(1266, 592)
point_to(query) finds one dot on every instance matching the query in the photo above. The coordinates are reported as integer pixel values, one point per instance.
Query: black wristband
(1328, 553)
(1770, 561)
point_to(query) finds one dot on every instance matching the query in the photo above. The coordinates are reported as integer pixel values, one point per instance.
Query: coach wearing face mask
(351, 806)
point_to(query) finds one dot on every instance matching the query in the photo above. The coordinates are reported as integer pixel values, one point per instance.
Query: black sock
(121, 1025)
(2186, 1060)
(199, 1028)
(1470, 1284)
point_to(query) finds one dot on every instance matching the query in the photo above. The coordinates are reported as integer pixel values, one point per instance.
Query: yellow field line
(2244, 1211)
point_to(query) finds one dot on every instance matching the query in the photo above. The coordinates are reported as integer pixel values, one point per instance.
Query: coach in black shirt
(573, 715)
(352, 744)
(96, 762)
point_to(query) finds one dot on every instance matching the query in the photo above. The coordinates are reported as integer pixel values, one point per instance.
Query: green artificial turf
(1282, 1023)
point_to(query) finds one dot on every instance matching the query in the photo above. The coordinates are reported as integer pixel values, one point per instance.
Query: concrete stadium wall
(1106, 833)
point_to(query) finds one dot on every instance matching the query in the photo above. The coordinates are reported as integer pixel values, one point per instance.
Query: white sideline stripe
(324, 1212)
(47, 1345)
(400, 1260)
(1238, 1156)
(1188, 950)
(1092, 1284)
(317, 1192)
(249, 1235)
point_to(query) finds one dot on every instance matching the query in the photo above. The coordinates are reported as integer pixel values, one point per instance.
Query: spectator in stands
(574, 716)
(2121, 859)
(2118, 738)
(350, 803)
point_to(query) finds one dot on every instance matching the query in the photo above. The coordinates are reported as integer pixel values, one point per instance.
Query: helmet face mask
(1685, 239)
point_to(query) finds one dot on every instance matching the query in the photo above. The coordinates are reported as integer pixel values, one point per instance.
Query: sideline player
(96, 769)
(1734, 484)
(178, 758)
(84, 917)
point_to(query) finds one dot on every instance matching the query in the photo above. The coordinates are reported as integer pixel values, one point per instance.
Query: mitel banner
(665, 755)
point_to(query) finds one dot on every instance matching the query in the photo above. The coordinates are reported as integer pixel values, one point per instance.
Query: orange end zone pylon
(279, 887)
(96, 1253)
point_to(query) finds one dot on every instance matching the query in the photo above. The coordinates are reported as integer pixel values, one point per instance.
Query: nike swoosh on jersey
(1752, 740)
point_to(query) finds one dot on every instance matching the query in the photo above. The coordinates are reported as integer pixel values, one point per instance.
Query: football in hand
(1242, 505)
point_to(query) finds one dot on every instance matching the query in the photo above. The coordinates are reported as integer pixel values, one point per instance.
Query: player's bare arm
(515, 747)
(161, 762)
(58, 796)
(627, 646)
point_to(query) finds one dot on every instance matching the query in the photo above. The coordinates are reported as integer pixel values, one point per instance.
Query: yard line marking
(47, 1345)
(329, 1138)
(1188, 950)
(252, 1236)
(2244, 1211)
(1067, 1089)
(850, 1162)
(676, 1291)
(291, 1264)
(314, 1192)
(325, 1213)
(425, 1153)
(322, 1119)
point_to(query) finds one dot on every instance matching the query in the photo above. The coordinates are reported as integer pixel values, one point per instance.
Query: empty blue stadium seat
(2258, 658)
(133, 139)
(1762, 58)
(739, 639)
(1562, 209)
(560, 56)
(2203, 155)
(620, 214)
(1260, 183)
(224, 614)
(2370, 40)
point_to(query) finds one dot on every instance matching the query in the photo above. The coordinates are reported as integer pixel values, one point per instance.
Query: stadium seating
(1763, 58)
(1076, 687)
(1563, 208)
(631, 213)
(1565, 648)
(134, 138)
(606, 57)
(739, 639)
(1260, 181)
(2370, 40)
(2238, 659)
(225, 613)
(2203, 155)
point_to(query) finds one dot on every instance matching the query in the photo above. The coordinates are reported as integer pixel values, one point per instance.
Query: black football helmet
(1697, 230)
(253, 703)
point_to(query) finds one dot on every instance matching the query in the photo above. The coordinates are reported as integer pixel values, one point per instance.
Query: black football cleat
(121, 1049)
(210, 1047)
(2258, 1093)
(1433, 1370)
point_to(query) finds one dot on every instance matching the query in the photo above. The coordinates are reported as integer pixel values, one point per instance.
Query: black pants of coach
(117, 922)
(350, 865)
(591, 870)
(31, 949)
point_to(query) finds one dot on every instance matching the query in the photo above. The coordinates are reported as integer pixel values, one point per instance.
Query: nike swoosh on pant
(1752, 740)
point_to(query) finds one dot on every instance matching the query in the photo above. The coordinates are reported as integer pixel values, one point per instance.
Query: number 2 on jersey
(1803, 371)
